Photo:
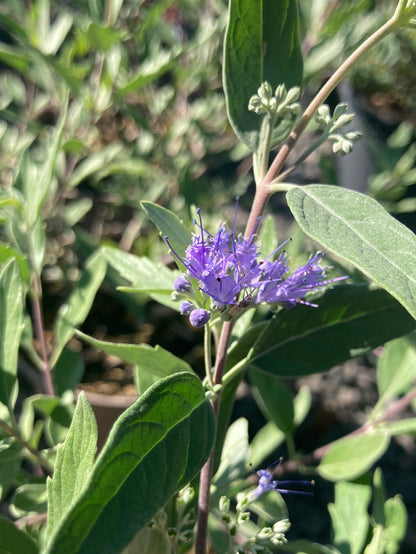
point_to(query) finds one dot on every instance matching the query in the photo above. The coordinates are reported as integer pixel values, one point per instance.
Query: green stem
(207, 354)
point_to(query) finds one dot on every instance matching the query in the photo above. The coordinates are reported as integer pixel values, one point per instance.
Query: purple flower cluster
(228, 270)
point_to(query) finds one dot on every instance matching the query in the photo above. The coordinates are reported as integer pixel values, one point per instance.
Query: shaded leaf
(274, 399)
(357, 229)
(15, 541)
(350, 320)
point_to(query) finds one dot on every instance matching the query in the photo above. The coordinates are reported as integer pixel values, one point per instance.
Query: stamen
(166, 239)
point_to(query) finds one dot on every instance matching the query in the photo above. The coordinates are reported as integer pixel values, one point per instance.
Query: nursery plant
(175, 475)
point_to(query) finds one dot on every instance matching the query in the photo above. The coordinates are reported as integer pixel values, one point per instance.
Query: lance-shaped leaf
(11, 327)
(261, 44)
(357, 229)
(145, 276)
(169, 226)
(79, 304)
(74, 462)
(155, 448)
(349, 320)
(152, 362)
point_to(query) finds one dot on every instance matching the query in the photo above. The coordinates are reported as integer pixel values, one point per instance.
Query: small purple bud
(199, 317)
(182, 283)
(186, 307)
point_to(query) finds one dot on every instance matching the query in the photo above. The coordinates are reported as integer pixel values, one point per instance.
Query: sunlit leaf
(357, 229)
(350, 457)
(171, 425)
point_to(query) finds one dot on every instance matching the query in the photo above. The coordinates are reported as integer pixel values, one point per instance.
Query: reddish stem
(40, 334)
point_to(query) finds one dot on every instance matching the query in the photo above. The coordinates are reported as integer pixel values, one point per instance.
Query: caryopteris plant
(174, 476)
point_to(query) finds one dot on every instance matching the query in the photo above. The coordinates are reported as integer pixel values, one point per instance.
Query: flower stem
(207, 354)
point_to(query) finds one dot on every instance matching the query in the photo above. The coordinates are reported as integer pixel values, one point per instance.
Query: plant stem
(323, 94)
(206, 472)
(207, 354)
(203, 505)
(34, 453)
(39, 330)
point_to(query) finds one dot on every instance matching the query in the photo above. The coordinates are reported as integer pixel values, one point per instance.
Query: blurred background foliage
(113, 102)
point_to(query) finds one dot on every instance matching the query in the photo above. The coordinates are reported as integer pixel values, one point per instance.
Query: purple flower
(267, 483)
(228, 270)
(199, 317)
(290, 291)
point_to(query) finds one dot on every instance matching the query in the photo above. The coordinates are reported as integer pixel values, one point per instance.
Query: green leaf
(74, 462)
(349, 516)
(146, 276)
(396, 523)
(274, 399)
(405, 426)
(261, 44)
(11, 327)
(350, 320)
(68, 371)
(7, 252)
(264, 443)
(10, 461)
(396, 368)
(350, 457)
(152, 362)
(234, 457)
(58, 412)
(302, 404)
(149, 540)
(169, 225)
(37, 191)
(357, 229)
(15, 541)
(79, 304)
(171, 425)
(29, 499)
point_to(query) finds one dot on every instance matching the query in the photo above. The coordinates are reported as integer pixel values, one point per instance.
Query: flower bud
(199, 317)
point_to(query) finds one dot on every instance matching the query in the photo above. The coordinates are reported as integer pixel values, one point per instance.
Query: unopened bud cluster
(264, 541)
(282, 104)
(329, 125)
